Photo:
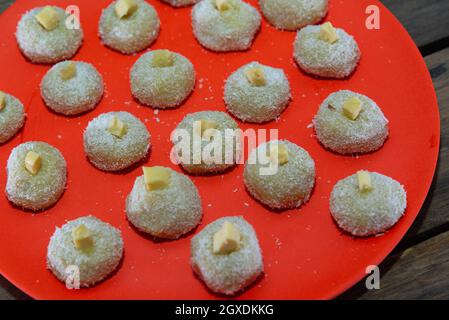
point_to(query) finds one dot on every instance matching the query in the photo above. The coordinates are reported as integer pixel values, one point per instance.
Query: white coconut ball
(257, 103)
(229, 30)
(366, 213)
(366, 133)
(40, 45)
(293, 14)
(93, 265)
(323, 59)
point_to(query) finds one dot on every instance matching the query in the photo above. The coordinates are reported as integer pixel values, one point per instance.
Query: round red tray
(305, 254)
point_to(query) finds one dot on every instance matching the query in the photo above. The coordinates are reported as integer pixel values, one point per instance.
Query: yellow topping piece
(125, 8)
(48, 18)
(364, 181)
(117, 127)
(352, 108)
(227, 239)
(203, 126)
(82, 238)
(68, 71)
(156, 178)
(162, 59)
(279, 154)
(328, 33)
(256, 76)
(33, 162)
(222, 5)
(2, 100)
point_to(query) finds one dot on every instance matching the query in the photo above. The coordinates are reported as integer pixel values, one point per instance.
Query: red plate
(305, 254)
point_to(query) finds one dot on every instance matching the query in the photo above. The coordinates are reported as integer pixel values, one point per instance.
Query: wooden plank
(5, 4)
(435, 212)
(420, 272)
(10, 292)
(423, 19)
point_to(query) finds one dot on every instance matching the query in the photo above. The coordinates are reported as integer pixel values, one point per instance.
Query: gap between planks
(420, 272)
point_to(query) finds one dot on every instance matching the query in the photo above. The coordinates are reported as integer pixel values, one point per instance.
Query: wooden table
(418, 268)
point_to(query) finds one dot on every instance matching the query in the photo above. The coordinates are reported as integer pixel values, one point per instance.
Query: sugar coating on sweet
(40, 45)
(323, 59)
(111, 153)
(180, 3)
(293, 14)
(290, 186)
(336, 132)
(41, 190)
(165, 87)
(227, 273)
(229, 30)
(168, 212)
(94, 265)
(230, 148)
(12, 117)
(75, 95)
(257, 104)
(367, 213)
(134, 32)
